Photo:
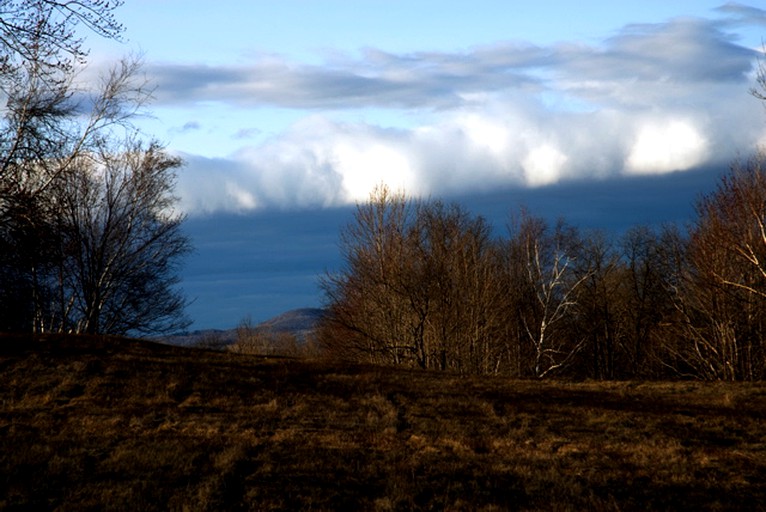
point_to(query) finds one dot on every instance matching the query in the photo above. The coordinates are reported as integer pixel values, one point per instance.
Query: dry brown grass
(122, 425)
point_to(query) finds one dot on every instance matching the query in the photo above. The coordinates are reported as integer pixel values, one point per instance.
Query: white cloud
(485, 132)
(652, 99)
(362, 167)
(241, 199)
(542, 165)
(671, 146)
(320, 162)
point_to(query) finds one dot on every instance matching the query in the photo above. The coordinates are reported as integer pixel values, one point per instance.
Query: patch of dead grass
(143, 427)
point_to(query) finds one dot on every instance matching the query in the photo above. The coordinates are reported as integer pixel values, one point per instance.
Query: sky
(287, 113)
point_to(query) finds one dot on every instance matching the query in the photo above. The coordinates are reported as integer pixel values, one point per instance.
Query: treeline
(426, 284)
(89, 239)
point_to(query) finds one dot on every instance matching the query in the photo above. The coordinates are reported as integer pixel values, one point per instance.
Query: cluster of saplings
(89, 240)
(426, 284)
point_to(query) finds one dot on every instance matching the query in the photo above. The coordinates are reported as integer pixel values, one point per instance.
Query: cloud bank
(652, 99)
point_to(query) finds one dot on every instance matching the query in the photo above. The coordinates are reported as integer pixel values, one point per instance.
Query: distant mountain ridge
(297, 322)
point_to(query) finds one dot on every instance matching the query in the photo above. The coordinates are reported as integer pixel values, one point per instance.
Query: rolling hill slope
(297, 322)
(116, 424)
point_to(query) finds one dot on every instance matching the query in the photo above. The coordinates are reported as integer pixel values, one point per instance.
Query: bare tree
(371, 316)
(652, 264)
(44, 158)
(418, 288)
(459, 275)
(733, 218)
(121, 242)
(723, 297)
(40, 55)
(546, 259)
(263, 342)
(53, 24)
(88, 238)
(759, 90)
(597, 320)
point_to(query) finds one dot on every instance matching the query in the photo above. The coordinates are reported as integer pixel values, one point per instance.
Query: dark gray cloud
(688, 52)
(683, 50)
(378, 80)
(260, 264)
(740, 14)
(187, 127)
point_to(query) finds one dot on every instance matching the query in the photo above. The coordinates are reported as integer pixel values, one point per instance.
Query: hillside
(299, 323)
(114, 424)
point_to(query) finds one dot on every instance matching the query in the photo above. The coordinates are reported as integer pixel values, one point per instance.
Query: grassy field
(109, 424)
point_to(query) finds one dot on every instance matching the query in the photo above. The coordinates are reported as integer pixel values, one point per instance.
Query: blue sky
(288, 112)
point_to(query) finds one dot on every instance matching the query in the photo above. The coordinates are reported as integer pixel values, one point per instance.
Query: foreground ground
(124, 425)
